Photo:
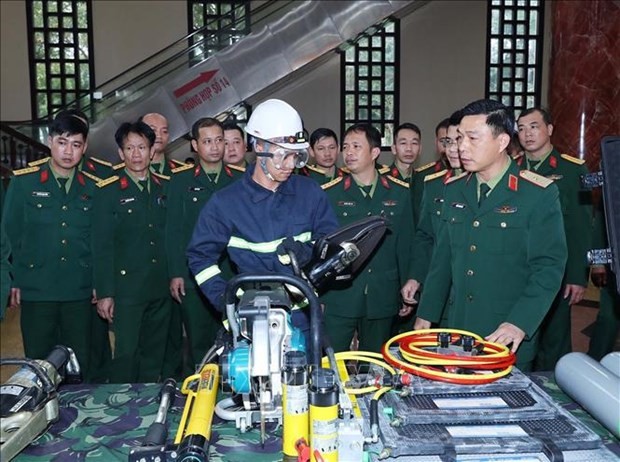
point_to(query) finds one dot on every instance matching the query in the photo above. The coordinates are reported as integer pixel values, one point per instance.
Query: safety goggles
(280, 155)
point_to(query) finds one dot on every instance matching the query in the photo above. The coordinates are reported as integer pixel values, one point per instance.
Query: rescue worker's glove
(303, 252)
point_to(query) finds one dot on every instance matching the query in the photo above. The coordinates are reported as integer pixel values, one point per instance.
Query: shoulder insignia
(383, 169)
(345, 170)
(438, 174)
(236, 167)
(34, 163)
(24, 171)
(100, 161)
(108, 181)
(182, 168)
(331, 183)
(535, 178)
(175, 163)
(315, 169)
(518, 155)
(574, 160)
(118, 166)
(458, 177)
(91, 176)
(424, 167)
(402, 183)
(159, 175)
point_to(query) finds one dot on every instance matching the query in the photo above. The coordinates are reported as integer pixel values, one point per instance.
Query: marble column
(584, 87)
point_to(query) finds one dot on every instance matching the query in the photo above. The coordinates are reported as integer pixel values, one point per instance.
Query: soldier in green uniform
(370, 301)
(535, 131)
(324, 150)
(416, 181)
(160, 164)
(5, 264)
(406, 149)
(130, 269)
(605, 332)
(501, 249)
(190, 189)
(432, 204)
(235, 146)
(47, 217)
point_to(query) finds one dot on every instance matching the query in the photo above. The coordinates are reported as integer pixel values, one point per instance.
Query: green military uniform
(603, 337)
(190, 189)
(318, 174)
(416, 186)
(5, 265)
(371, 300)
(502, 261)
(49, 227)
(565, 171)
(130, 266)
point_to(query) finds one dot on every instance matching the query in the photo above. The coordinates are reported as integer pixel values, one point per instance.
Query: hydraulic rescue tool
(29, 399)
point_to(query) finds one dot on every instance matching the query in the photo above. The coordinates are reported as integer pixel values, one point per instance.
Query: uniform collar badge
(384, 182)
(553, 161)
(395, 172)
(513, 182)
(347, 183)
(124, 183)
(197, 170)
(45, 174)
(80, 179)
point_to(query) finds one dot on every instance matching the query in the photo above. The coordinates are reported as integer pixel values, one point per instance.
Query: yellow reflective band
(207, 274)
(265, 247)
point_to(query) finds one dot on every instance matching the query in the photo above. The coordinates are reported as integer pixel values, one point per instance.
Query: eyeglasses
(446, 142)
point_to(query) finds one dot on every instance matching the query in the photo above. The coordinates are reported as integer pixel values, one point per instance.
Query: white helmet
(279, 123)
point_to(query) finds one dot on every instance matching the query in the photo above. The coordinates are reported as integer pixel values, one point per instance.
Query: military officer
(501, 249)
(370, 301)
(432, 203)
(47, 217)
(235, 146)
(417, 177)
(130, 270)
(535, 130)
(190, 189)
(406, 149)
(324, 150)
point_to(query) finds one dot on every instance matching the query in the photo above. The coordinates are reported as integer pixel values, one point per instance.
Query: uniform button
(64, 207)
(195, 199)
(470, 272)
(31, 265)
(123, 272)
(152, 243)
(470, 297)
(63, 242)
(368, 214)
(472, 248)
(63, 224)
(438, 212)
(154, 260)
(129, 211)
(503, 224)
(39, 206)
(476, 223)
(150, 225)
(344, 214)
(370, 270)
(63, 259)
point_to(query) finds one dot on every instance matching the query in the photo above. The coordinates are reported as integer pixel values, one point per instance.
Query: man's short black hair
(205, 122)
(454, 119)
(407, 126)
(373, 136)
(499, 117)
(67, 123)
(233, 126)
(545, 114)
(139, 128)
(322, 133)
(443, 124)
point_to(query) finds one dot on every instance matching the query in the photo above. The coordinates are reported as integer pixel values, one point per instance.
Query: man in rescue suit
(268, 210)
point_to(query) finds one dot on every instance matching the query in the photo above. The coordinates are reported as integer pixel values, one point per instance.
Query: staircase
(189, 80)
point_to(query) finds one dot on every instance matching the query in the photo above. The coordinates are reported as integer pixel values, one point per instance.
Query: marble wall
(584, 87)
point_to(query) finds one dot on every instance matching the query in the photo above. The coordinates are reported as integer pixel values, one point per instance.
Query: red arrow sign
(204, 77)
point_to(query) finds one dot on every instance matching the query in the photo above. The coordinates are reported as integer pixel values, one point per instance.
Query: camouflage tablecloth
(104, 422)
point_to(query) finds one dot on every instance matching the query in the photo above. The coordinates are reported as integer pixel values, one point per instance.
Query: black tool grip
(156, 435)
